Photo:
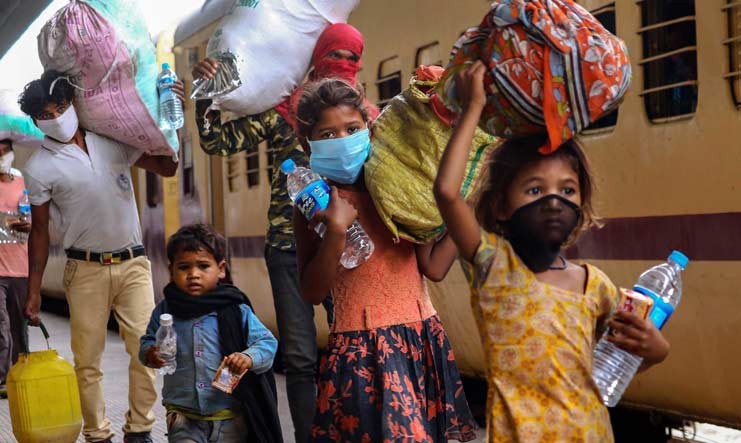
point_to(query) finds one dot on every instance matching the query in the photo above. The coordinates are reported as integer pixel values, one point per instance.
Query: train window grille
(187, 162)
(232, 172)
(428, 55)
(733, 10)
(606, 16)
(669, 59)
(253, 168)
(154, 189)
(389, 79)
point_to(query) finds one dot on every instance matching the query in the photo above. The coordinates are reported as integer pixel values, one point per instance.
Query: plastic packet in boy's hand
(225, 81)
(225, 380)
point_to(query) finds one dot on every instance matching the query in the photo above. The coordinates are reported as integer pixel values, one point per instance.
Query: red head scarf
(334, 37)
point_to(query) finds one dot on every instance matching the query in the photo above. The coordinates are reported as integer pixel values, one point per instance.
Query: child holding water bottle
(390, 374)
(539, 315)
(208, 313)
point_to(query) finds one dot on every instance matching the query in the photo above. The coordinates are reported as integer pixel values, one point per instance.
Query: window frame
(232, 173)
(645, 61)
(420, 50)
(382, 79)
(252, 171)
(733, 42)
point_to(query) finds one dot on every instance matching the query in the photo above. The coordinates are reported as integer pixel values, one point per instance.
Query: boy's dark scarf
(256, 393)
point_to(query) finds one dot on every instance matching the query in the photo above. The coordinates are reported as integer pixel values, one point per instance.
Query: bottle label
(313, 198)
(661, 310)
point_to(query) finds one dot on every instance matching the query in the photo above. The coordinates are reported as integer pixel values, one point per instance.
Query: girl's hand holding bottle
(338, 217)
(639, 337)
(152, 357)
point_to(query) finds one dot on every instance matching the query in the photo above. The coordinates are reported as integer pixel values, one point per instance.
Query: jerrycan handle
(25, 336)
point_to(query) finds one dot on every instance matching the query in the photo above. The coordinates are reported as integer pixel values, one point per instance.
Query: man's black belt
(106, 258)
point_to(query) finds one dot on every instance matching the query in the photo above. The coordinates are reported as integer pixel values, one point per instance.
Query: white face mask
(6, 162)
(62, 128)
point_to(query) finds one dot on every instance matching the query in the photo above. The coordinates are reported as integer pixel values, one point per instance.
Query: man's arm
(38, 254)
(163, 165)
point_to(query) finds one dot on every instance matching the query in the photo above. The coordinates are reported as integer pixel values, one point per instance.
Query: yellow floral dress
(538, 342)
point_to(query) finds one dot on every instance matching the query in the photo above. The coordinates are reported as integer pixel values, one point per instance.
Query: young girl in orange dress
(390, 373)
(539, 315)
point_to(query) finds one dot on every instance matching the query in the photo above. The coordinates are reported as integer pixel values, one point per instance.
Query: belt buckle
(107, 258)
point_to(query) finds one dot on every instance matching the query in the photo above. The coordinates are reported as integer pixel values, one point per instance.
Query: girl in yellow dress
(539, 315)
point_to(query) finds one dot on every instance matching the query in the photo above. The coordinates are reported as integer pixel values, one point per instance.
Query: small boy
(202, 301)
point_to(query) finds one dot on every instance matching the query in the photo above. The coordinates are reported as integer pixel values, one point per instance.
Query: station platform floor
(115, 383)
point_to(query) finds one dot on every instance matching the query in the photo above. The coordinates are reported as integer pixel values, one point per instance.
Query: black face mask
(538, 229)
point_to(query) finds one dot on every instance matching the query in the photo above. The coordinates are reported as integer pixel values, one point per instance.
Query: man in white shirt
(84, 181)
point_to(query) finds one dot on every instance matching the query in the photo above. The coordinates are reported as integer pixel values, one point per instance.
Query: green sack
(407, 145)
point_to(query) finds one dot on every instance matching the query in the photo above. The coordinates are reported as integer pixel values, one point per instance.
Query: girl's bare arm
(436, 258)
(460, 219)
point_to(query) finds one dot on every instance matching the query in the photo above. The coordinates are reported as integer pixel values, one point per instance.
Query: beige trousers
(93, 291)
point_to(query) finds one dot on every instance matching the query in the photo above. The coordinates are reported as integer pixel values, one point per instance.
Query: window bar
(730, 6)
(665, 87)
(733, 74)
(601, 10)
(732, 40)
(667, 54)
(688, 18)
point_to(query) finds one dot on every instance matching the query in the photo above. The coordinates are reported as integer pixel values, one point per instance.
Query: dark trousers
(12, 301)
(295, 318)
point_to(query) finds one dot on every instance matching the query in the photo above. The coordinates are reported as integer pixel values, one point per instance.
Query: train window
(187, 162)
(154, 189)
(389, 79)
(733, 9)
(669, 59)
(253, 168)
(428, 55)
(606, 16)
(192, 57)
(232, 173)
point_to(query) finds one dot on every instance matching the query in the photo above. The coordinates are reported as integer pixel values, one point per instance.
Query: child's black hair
(199, 237)
(326, 93)
(514, 155)
(35, 95)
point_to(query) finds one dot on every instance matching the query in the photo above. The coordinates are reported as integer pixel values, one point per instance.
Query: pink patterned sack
(103, 47)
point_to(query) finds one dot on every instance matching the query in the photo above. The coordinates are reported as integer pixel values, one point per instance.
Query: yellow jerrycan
(43, 397)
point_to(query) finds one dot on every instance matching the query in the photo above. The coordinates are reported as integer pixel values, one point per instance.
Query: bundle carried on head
(407, 144)
(282, 32)
(15, 125)
(103, 47)
(551, 67)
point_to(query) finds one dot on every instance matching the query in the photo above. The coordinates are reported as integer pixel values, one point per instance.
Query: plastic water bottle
(167, 341)
(310, 193)
(171, 109)
(24, 207)
(613, 367)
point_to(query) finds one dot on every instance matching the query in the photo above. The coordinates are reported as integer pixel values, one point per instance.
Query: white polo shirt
(92, 194)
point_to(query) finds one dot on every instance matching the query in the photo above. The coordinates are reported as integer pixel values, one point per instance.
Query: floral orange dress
(389, 374)
(538, 341)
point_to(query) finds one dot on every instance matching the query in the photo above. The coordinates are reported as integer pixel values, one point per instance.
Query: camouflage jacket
(245, 134)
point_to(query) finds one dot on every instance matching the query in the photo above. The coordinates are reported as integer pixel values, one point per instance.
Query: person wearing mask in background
(86, 179)
(336, 55)
(13, 266)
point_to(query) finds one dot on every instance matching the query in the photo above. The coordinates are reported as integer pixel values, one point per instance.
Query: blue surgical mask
(340, 159)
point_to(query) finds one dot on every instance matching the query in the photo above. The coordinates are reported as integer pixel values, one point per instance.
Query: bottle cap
(679, 258)
(288, 166)
(165, 320)
(165, 66)
(25, 192)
